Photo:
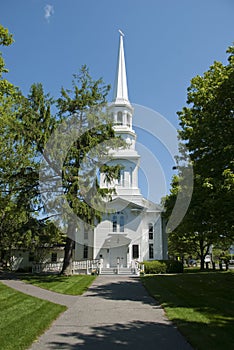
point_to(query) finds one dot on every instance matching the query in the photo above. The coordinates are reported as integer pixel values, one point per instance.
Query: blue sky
(167, 43)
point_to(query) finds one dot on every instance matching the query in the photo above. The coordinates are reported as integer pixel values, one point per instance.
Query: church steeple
(120, 108)
(121, 86)
(121, 112)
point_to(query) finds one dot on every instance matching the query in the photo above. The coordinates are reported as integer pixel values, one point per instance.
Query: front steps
(124, 271)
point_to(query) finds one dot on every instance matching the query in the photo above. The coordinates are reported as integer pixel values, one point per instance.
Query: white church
(132, 229)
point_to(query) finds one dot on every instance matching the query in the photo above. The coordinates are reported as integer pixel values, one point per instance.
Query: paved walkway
(115, 313)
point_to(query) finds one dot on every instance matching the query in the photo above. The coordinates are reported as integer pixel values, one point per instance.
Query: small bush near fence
(155, 267)
(163, 266)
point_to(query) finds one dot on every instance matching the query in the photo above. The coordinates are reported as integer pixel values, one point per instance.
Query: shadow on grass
(47, 278)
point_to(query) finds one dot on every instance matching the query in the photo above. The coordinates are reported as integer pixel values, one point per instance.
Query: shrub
(155, 267)
(174, 266)
(163, 266)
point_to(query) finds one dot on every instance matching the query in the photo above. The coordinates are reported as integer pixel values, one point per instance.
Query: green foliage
(174, 266)
(207, 129)
(27, 124)
(154, 267)
(16, 160)
(207, 132)
(81, 109)
(163, 266)
(6, 39)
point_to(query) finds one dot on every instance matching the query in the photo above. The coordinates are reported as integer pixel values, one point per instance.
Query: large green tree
(20, 146)
(207, 132)
(80, 145)
(38, 154)
(13, 158)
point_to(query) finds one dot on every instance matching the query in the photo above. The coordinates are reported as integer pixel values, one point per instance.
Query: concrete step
(113, 271)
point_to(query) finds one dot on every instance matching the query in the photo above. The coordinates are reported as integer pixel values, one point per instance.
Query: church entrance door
(118, 254)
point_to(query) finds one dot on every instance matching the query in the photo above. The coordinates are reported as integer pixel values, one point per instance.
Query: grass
(201, 305)
(72, 285)
(23, 318)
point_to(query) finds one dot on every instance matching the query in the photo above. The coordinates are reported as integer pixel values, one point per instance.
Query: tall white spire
(121, 86)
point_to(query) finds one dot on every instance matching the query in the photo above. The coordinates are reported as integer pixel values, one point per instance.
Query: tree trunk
(213, 265)
(202, 263)
(67, 262)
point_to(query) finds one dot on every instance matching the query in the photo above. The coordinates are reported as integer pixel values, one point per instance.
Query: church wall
(155, 220)
(136, 229)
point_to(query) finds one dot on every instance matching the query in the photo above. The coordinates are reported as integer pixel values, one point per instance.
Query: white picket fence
(78, 267)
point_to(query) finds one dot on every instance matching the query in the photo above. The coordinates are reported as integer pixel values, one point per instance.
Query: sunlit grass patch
(23, 318)
(72, 285)
(201, 304)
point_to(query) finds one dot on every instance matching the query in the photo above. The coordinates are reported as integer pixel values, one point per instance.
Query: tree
(27, 128)
(20, 145)
(207, 132)
(194, 235)
(13, 157)
(82, 120)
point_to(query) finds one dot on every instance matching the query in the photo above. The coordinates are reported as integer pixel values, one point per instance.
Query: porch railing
(78, 266)
(85, 266)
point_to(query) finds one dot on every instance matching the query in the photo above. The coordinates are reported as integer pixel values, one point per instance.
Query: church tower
(131, 226)
(121, 112)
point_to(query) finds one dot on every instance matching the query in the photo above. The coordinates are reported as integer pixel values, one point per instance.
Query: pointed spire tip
(121, 33)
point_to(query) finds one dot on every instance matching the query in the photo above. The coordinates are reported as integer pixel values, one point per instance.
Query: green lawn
(73, 285)
(23, 318)
(201, 304)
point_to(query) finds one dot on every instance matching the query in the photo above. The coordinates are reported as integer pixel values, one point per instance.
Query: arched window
(119, 118)
(121, 223)
(151, 231)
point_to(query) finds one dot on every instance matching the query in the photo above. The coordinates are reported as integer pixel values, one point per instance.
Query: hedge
(163, 266)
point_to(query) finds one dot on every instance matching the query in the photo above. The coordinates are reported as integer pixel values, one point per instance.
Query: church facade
(132, 227)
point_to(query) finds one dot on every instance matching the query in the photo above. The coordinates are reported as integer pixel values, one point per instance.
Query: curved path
(115, 313)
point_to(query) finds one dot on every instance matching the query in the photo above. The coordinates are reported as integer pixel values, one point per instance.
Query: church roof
(138, 203)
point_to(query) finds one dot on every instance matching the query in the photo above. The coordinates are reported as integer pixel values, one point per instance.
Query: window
(128, 120)
(121, 223)
(119, 118)
(151, 231)
(53, 257)
(135, 251)
(85, 233)
(85, 252)
(114, 223)
(130, 177)
(151, 251)
(121, 178)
